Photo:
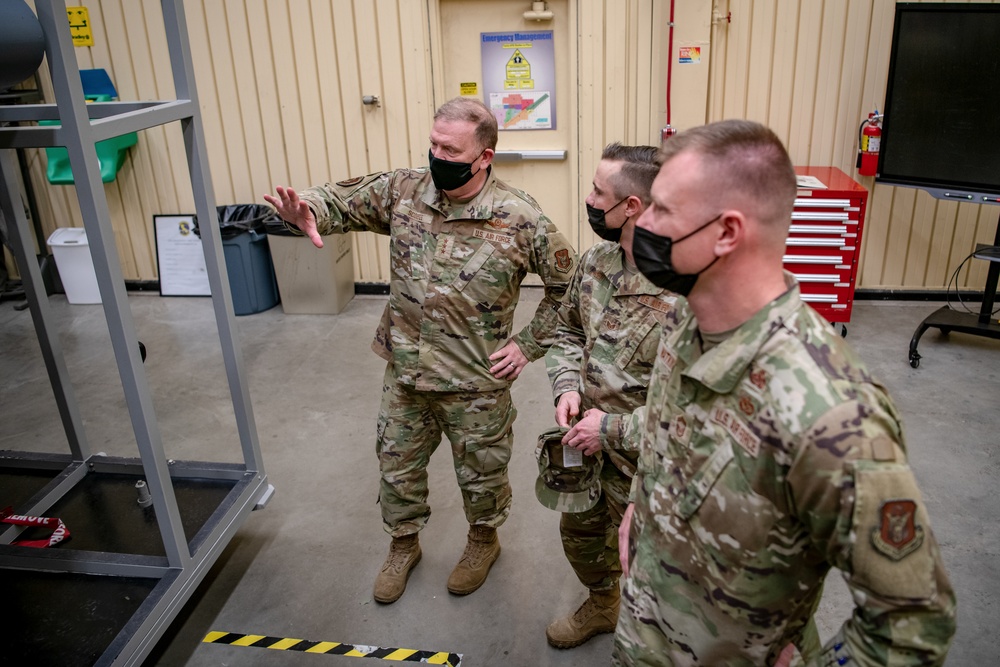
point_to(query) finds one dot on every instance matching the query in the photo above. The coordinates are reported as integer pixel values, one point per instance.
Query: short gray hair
(474, 111)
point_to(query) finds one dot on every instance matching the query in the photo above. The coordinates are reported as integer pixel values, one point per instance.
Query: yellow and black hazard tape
(335, 648)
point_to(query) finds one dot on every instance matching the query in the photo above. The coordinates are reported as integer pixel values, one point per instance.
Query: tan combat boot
(597, 614)
(404, 554)
(481, 552)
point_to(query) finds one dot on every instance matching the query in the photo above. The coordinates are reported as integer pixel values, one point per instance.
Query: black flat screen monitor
(941, 130)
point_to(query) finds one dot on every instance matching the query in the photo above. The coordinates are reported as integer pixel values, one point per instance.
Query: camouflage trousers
(410, 425)
(590, 539)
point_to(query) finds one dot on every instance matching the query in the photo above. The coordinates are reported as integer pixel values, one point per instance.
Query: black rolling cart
(947, 319)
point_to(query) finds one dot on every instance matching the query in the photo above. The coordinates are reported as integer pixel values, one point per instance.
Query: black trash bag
(277, 227)
(236, 219)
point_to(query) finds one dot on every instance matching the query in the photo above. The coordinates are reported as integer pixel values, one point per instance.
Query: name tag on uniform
(493, 237)
(740, 432)
(656, 304)
(414, 216)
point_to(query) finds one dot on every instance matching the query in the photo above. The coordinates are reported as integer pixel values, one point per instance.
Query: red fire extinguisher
(869, 138)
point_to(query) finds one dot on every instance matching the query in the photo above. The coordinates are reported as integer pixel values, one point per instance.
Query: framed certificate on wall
(180, 260)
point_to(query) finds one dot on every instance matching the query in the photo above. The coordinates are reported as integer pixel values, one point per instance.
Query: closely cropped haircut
(743, 157)
(640, 164)
(474, 111)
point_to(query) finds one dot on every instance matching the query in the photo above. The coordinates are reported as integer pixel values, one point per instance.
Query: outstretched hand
(296, 212)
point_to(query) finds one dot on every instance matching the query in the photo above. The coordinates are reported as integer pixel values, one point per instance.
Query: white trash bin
(76, 268)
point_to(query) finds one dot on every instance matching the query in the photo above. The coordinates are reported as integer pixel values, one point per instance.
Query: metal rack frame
(82, 126)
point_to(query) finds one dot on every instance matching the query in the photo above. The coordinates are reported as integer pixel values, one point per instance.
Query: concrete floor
(304, 566)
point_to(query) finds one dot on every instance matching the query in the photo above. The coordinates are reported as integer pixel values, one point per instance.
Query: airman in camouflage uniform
(599, 366)
(770, 455)
(461, 241)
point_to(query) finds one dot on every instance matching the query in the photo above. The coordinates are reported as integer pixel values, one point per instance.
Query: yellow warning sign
(518, 73)
(468, 89)
(79, 26)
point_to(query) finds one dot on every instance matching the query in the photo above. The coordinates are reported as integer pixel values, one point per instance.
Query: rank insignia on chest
(898, 534)
(679, 428)
(446, 242)
(611, 324)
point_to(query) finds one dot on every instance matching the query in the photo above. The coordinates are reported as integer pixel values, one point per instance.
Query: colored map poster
(519, 79)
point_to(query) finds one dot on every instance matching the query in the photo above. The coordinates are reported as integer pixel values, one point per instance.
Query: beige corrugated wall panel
(622, 78)
(604, 82)
(812, 71)
(641, 90)
(689, 82)
(281, 82)
(280, 85)
(591, 101)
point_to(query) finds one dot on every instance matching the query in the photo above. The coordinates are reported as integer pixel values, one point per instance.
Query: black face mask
(448, 175)
(652, 257)
(595, 217)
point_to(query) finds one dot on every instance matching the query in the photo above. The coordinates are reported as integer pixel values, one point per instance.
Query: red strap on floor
(59, 530)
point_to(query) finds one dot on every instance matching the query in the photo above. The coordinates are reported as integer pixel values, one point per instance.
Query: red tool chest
(824, 241)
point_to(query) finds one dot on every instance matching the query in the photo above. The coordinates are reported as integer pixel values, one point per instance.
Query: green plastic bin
(110, 153)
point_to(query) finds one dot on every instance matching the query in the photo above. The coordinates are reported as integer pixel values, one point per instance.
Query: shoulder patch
(563, 261)
(351, 181)
(898, 533)
(892, 555)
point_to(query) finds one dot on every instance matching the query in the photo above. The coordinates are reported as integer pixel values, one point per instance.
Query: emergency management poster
(519, 79)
